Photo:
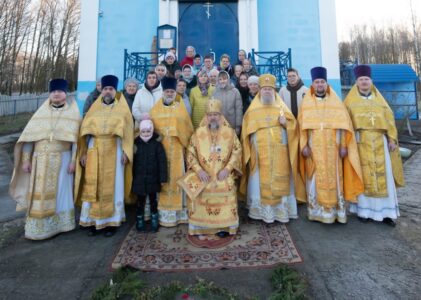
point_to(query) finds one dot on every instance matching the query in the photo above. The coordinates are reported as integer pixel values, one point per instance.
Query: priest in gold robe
(271, 180)
(105, 153)
(172, 122)
(377, 139)
(214, 163)
(330, 163)
(44, 165)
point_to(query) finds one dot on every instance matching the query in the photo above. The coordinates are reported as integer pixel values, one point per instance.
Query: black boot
(389, 221)
(154, 222)
(140, 220)
(222, 234)
(92, 231)
(110, 231)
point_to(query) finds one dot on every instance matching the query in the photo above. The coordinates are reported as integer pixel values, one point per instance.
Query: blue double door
(210, 26)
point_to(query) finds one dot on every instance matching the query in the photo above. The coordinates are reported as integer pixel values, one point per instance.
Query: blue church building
(109, 27)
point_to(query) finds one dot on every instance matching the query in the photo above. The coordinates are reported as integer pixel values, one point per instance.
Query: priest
(214, 163)
(105, 153)
(377, 139)
(271, 181)
(330, 164)
(172, 122)
(44, 165)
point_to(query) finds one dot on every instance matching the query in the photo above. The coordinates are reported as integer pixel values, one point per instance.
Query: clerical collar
(58, 106)
(321, 96)
(365, 96)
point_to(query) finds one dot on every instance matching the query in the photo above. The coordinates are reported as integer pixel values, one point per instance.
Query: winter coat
(172, 68)
(191, 84)
(229, 70)
(129, 99)
(252, 72)
(149, 166)
(145, 100)
(89, 100)
(286, 96)
(186, 101)
(232, 105)
(187, 61)
(198, 104)
(245, 97)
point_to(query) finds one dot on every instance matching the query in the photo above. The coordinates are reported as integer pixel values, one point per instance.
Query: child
(149, 172)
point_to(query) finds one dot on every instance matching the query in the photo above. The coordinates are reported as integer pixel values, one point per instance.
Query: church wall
(305, 26)
(131, 26)
(296, 24)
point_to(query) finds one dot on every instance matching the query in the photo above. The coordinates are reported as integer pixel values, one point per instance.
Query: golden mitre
(214, 106)
(267, 80)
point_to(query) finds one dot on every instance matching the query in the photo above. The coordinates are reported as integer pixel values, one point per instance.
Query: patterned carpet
(256, 245)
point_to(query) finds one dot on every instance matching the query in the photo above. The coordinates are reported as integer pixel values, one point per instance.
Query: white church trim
(248, 25)
(247, 21)
(168, 12)
(328, 38)
(89, 35)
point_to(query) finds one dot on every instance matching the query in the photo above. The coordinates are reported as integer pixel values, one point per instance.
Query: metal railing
(273, 62)
(138, 64)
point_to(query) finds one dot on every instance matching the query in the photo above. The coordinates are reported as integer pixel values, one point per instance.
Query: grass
(288, 285)
(126, 283)
(12, 124)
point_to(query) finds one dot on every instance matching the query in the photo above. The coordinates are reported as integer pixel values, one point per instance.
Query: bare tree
(38, 41)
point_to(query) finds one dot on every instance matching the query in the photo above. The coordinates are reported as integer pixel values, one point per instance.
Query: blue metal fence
(138, 64)
(273, 62)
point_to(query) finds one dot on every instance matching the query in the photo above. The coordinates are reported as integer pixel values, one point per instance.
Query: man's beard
(321, 92)
(213, 125)
(107, 98)
(169, 100)
(268, 99)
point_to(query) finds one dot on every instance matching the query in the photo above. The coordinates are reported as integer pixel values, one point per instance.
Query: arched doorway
(210, 27)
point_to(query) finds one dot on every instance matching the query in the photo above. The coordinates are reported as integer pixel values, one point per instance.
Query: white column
(89, 38)
(168, 12)
(248, 25)
(328, 38)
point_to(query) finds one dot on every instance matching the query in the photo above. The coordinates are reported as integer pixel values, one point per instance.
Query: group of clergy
(320, 151)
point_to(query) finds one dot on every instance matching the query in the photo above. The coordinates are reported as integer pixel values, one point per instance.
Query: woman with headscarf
(199, 97)
(189, 78)
(131, 85)
(238, 69)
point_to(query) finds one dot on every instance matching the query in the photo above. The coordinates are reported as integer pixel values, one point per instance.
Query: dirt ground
(352, 261)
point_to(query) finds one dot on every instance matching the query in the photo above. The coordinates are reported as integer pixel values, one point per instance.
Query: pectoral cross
(372, 118)
(208, 5)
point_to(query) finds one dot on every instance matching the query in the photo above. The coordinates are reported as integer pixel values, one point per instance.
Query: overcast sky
(381, 12)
